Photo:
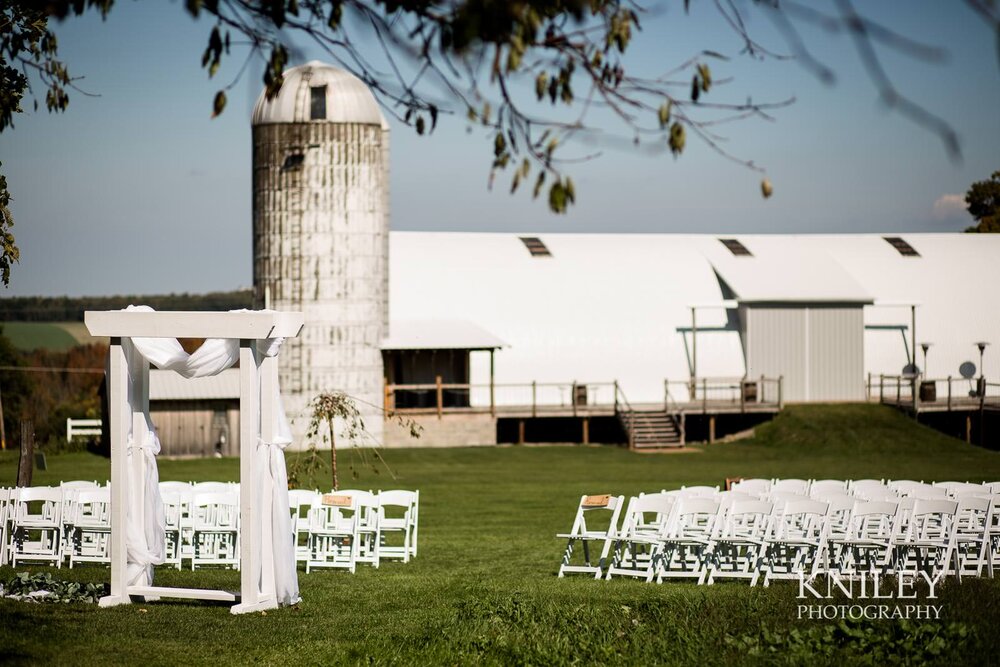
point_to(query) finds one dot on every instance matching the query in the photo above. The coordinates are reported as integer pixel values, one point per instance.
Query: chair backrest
(694, 517)
(745, 518)
(932, 519)
(956, 489)
(211, 487)
(80, 484)
(928, 492)
(597, 509)
(901, 486)
(647, 514)
(176, 487)
(397, 498)
(727, 498)
(175, 505)
(49, 510)
(753, 486)
(699, 491)
(873, 520)
(334, 511)
(92, 507)
(782, 498)
(825, 487)
(973, 514)
(801, 519)
(215, 510)
(301, 498)
(799, 486)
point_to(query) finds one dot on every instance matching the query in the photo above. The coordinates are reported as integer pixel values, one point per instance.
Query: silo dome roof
(347, 98)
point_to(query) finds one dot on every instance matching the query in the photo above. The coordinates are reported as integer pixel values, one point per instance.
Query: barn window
(904, 248)
(535, 246)
(736, 247)
(317, 103)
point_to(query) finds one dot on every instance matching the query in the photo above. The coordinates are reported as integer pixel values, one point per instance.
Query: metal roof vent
(736, 247)
(535, 246)
(904, 248)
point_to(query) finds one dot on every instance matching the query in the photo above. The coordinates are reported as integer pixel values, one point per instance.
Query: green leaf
(664, 113)
(677, 138)
(219, 103)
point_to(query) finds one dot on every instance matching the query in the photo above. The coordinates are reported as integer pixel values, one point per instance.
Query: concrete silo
(320, 234)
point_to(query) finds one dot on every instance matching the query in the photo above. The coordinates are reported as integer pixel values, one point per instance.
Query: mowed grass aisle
(483, 589)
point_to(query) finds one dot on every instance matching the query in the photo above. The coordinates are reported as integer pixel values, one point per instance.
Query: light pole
(925, 347)
(981, 389)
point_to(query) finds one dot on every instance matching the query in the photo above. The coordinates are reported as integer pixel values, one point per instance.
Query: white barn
(823, 311)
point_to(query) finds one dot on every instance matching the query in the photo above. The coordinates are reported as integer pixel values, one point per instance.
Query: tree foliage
(533, 73)
(983, 199)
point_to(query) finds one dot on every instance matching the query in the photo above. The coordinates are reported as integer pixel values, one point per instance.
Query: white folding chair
(215, 529)
(871, 490)
(684, 543)
(633, 548)
(796, 541)
(90, 527)
(926, 492)
(956, 489)
(973, 518)
(332, 521)
(606, 507)
(5, 495)
(199, 488)
(366, 528)
(175, 508)
(395, 509)
(299, 503)
(864, 546)
(925, 543)
(738, 543)
(36, 525)
(782, 498)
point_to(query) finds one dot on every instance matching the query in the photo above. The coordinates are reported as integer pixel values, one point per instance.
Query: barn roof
(170, 386)
(439, 335)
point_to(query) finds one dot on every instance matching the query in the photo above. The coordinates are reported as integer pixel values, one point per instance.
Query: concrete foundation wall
(455, 430)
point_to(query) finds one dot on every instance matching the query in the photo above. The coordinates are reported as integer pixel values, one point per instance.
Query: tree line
(71, 309)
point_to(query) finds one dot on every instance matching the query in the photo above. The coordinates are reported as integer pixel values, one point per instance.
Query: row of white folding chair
(201, 522)
(52, 524)
(347, 527)
(701, 538)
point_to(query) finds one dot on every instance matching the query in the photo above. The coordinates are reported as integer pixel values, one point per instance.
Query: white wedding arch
(140, 336)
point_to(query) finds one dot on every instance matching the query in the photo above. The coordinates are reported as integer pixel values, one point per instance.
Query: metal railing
(705, 393)
(950, 392)
(537, 397)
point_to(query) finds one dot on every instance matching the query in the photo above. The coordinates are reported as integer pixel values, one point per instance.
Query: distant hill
(71, 309)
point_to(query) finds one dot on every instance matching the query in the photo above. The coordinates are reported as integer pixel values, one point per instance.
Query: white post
(118, 394)
(251, 515)
(268, 426)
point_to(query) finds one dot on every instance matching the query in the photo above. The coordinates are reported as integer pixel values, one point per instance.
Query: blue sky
(137, 190)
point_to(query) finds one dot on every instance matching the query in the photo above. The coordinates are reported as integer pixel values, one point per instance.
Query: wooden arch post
(128, 401)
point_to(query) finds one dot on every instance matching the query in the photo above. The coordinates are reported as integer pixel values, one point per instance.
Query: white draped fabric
(146, 548)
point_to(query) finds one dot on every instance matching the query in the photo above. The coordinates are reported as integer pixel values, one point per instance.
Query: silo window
(317, 103)
(293, 161)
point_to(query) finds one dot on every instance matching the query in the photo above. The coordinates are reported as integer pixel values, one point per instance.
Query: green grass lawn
(483, 588)
(60, 336)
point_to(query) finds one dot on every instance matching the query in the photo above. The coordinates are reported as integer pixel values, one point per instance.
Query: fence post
(868, 389)
(534, 398)
(387, 400)
(440, 395)
(572, 397)
(760, 389)
(949, 393)
(743, 386)
(25, 464)
(899, 390)
(881, 388)
(666, 393)
(915, 397)
(704, 395)
(781, 392)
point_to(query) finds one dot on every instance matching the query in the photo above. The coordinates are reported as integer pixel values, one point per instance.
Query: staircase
(651, 429)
